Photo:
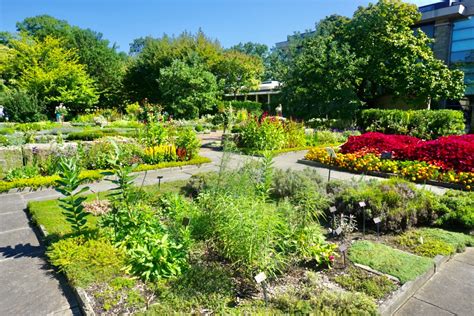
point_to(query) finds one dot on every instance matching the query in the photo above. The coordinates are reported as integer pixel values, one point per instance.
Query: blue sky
(230, 21)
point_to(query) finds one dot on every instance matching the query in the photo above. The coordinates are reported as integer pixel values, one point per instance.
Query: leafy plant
(187, 140)
(86, 261)
(377, 286)
(69, 181)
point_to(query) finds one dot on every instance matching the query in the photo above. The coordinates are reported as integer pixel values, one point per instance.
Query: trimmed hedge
(426, 124)
(91, 175)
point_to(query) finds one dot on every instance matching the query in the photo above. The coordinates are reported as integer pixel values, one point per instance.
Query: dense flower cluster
(449, 153)
(418, 171)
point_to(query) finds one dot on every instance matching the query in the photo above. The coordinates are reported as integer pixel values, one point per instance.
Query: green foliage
(267, 135)
(372, 57)
(187, 90)
(425, 124)
(254, 108)
(289, 182)
(388, 260)
(398, 202)
(26, 172)
(102, 61)
(46, 69)
(430, 242)
(69, 181)
(376, 286)
(310, 299)
(86, 261)
(152, 253)
(458, 211)
(21, 106)
(187, 139)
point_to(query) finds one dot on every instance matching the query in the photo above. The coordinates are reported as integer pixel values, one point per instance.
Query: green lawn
(49, 215)
(388, 260)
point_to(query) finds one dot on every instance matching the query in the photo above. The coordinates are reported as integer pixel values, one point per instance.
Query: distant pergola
(262, 95)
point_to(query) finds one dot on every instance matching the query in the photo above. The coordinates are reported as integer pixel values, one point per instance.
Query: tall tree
(239, 72)
(48, 71)
(187, 90)
(102, 60)
(398, 61)
(253, 49)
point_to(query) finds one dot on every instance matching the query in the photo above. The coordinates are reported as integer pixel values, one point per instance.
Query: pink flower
(331, 258)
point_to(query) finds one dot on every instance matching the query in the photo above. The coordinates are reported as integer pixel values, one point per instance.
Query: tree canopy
(372, 57)
(47, 71)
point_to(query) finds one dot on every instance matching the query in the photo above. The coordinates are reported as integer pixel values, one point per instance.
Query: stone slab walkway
(449, 292)
(28, 286)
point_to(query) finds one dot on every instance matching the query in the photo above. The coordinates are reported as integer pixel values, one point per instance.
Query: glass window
(469, 22)
(462, 45)
(463, 34)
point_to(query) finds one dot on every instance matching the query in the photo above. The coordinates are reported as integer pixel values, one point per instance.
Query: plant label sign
(331, 152)
(362, 204)
(332, 209)
(259, 278)
(386, 155)
(185, 221)
(377, 220)
(339, 230)
(342, 248)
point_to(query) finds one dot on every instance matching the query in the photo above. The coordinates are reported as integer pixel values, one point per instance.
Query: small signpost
(362, 205)
(333, 210)
(343, 249)
(386, 155)
(159, 181)
(185, 221)
(332, 155)
(338, 231)
(377, 221)
(260, 279)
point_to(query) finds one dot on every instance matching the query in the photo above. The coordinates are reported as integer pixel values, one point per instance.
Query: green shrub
(187, 139)
(252, 107)
(310, 299)
(86, 261)
(85, 135)
(266, 135)
(426, 124)
(288, 183)
(398, 202)
(22, 107)
(430, 242)
(458, 210)
(152, 253)
(388, 260)
(376, 286)
(25, 172)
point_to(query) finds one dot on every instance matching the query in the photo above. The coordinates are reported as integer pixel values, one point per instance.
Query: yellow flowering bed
(417, 171)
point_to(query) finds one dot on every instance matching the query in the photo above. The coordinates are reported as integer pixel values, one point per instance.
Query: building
(451, 25)
(263, 95)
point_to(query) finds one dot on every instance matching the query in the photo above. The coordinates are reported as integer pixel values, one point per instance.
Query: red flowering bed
(449, 152)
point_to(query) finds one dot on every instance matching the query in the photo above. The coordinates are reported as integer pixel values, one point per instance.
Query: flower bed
(448, 153)
(418, 171)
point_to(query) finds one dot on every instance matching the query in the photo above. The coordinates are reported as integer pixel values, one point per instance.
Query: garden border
(83, 300)
(378, 174)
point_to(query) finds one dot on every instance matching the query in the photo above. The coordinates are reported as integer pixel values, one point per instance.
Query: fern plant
(68, 185)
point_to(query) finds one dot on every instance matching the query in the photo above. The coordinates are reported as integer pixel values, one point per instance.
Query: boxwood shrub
(426, 124)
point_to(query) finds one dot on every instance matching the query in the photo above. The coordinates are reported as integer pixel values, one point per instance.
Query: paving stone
(30, 288)
(18, 242)
(13, 221)
(11, 202)
(417, 307)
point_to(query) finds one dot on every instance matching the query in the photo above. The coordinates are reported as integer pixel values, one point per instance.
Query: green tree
(238, 72)
(103, 63)
(154, 54)
(320, 79)
(253, 49)
(398, 61)
(187, 90)
(48, 71)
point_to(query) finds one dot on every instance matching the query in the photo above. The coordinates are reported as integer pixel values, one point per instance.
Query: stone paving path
(28, 286)
(449, 292)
